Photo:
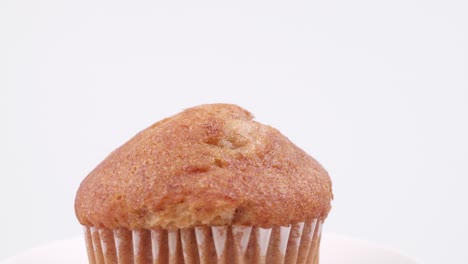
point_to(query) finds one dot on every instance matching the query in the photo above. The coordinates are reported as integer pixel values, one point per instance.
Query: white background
(377, 91)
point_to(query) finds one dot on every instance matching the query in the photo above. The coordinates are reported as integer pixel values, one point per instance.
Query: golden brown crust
(208, 165)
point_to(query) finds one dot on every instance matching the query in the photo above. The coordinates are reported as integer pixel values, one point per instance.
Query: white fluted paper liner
(294, 244)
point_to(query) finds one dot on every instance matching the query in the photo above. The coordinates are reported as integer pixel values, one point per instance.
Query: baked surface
(208, 165)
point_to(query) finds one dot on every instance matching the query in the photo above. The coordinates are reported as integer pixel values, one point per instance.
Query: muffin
(207, 185)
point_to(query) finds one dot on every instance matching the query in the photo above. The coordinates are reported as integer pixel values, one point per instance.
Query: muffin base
(293, 244)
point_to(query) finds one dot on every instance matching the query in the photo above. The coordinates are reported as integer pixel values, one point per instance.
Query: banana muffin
(207, 185)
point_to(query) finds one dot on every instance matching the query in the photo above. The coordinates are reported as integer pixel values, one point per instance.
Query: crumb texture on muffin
(208, 165)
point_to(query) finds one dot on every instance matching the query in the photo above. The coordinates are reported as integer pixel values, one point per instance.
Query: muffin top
(208, 165)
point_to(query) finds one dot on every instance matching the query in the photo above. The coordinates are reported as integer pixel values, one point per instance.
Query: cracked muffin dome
(208, 165)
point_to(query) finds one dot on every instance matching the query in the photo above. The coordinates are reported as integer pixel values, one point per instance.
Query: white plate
(334, 250)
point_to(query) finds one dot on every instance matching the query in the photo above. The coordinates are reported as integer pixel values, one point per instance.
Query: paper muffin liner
(294, 244)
